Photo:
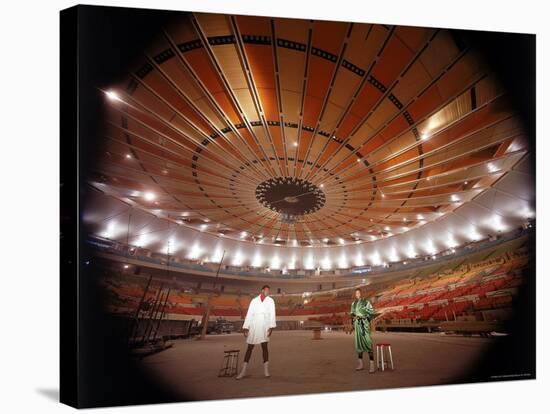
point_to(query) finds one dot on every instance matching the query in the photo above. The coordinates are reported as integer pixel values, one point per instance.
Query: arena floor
(300, 365)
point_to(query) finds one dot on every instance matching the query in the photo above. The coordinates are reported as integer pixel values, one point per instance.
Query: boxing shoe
(243, 371)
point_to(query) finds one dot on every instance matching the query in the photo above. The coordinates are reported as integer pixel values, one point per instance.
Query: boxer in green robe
(362, 313)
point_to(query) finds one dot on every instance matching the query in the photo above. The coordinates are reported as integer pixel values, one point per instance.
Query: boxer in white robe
(257, 327)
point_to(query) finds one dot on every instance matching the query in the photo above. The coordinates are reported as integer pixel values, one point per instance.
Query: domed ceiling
(300, 133)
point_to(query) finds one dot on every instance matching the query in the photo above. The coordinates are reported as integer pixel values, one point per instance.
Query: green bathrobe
(363, 311)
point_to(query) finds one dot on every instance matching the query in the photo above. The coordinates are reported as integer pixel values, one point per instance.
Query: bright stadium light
(257, 261)
(309, 263)
(393, 255)
(195, 252)
(217, 256)
(275, 262)
(109, 231)
(113, 96)
(170, 246)
(292, 263)
(497, 223)
(238, 259)
(451, 242)
(430, 248)
(411, 252)
(526, 212)
(474, 234)
(149, 196)
(140, 241)
(343, 262)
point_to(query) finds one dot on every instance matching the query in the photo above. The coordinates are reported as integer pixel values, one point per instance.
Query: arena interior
(315, 157)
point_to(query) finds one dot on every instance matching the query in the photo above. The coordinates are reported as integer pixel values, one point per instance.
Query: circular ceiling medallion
(291, 197)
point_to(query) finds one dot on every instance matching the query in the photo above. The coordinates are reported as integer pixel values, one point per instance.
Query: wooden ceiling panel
(383, 124)
(394, 59)
(441, 51)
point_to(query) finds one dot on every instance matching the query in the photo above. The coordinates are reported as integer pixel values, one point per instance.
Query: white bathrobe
(260, 317)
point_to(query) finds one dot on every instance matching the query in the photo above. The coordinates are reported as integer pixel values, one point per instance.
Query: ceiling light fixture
(113, 96)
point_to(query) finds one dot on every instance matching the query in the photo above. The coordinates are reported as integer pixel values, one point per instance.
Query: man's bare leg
(266, 358)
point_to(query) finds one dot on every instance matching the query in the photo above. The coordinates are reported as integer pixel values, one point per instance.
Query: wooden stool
(380, 361)
(230, 365)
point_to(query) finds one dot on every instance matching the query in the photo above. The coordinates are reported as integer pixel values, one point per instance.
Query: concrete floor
(301, 365)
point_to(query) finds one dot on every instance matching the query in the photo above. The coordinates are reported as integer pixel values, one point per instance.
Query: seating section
(493, 302)
(473, 287)
(444, 296)
(124, 296)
